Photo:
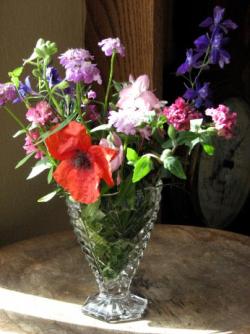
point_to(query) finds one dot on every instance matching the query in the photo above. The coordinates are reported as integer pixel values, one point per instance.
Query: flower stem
(112, 61)
(17, 120)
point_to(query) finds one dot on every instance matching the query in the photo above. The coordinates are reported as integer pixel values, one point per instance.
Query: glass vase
(113, 233)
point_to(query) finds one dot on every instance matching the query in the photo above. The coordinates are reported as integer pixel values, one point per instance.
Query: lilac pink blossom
(29, 146)
(7, 93)
(180, 113)
(77, 63)
(224, 120)
(110, 45)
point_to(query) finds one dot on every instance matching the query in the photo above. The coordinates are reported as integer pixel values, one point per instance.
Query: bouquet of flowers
(107, 156)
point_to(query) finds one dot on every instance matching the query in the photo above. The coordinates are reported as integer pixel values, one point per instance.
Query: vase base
(112, 309)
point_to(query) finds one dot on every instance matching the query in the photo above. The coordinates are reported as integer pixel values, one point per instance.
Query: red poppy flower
(82, 165)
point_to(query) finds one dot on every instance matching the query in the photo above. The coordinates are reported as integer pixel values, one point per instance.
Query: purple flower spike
(109, 45)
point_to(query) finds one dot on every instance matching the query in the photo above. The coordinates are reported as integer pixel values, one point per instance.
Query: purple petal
(206, 23)
(190, 94)
(204, 91)
(201, 42)
(218, 14)
(215, 56)
(182, 69)
(224, 58)
(229, 24)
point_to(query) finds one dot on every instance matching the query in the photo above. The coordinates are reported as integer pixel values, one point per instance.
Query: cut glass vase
(113, 234)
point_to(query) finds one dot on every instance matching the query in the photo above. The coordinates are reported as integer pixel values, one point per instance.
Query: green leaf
(18, 133)
(166, 153)
(61, 85)
(117, 85)
(101, 128)
(142, 167)
(209, 149)
(16, 72)
(50, 175)
(24, 160)
(39, 167)
(171, 132)
(186, 137)
(174, 165)
(15, 81)
(48, 197)
(167, 144)
(131, 155)
(91, 212)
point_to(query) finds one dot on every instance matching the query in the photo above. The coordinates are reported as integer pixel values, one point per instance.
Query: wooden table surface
(197, 280)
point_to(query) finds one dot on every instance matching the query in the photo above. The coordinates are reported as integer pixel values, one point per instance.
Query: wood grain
(197, 281)
(138, 23)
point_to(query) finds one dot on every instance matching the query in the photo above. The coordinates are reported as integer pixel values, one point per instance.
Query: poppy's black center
(82, 160)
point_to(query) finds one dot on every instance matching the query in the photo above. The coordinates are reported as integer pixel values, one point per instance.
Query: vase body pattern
(113, 234)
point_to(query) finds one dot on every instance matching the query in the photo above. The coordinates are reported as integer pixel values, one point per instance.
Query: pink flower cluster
(136, 105)
(77, 63)
(41, 114)
(223, 119)
(29, 146)
(7, 93)
(109, 45)
(180, 113)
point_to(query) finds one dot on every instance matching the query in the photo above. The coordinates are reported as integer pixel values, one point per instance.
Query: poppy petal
(82, 184)
(102, 157)
(64, 143)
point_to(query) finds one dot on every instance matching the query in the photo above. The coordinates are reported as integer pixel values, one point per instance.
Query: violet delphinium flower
(218, 54)
(190, 62)
(77, 63)
(40, 114)
(110, 45)
(29, 145)
(199, 95)
(224, 120)
(216, 24)
(52, 76)
(24, 89)
(8, 93)
(180, 113)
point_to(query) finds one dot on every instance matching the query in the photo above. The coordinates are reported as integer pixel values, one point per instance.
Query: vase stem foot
(111, 309)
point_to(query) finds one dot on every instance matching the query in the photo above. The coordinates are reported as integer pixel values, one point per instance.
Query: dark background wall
(180, 205)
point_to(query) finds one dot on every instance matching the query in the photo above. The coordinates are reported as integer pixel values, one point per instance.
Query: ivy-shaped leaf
(174, 165)
(142, 167)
